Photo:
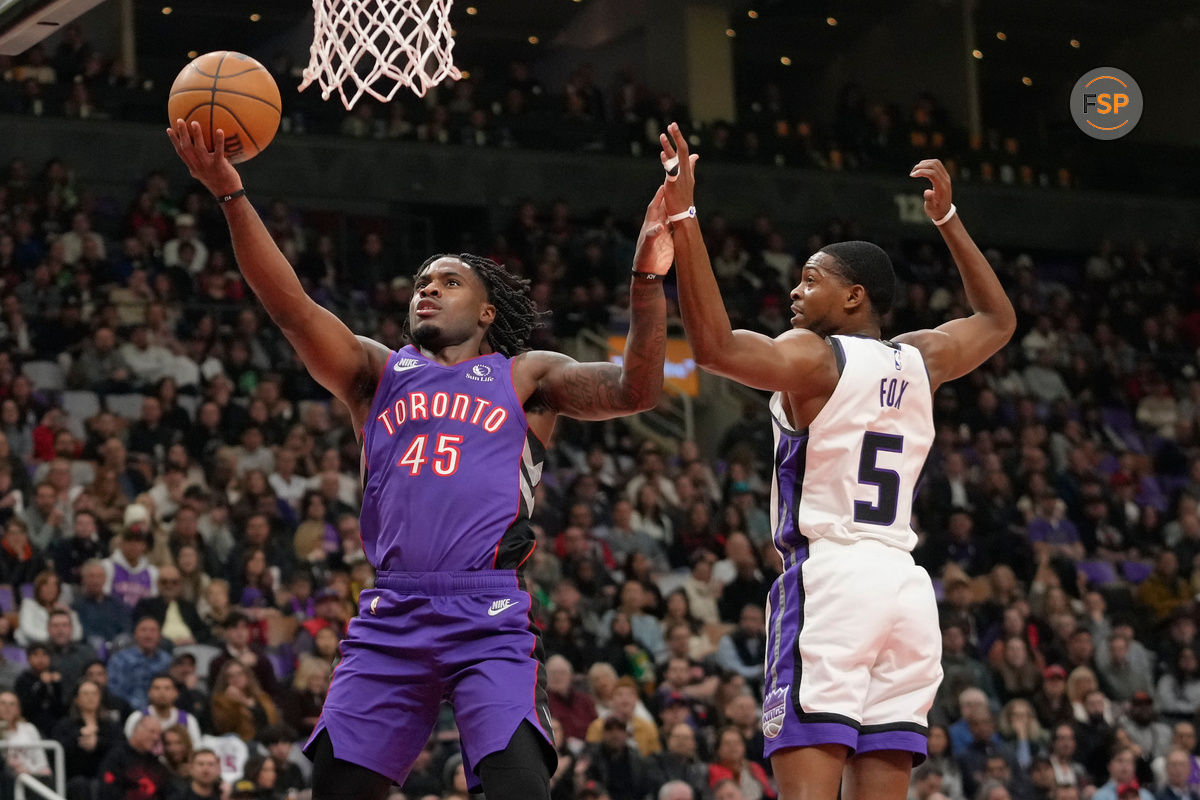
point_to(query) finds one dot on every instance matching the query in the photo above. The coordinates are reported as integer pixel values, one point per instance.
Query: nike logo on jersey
(501, 605)
(405, 364)
(374, 603)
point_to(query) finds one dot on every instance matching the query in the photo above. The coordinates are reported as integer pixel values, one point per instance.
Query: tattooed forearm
(601, 390)
(646, 345)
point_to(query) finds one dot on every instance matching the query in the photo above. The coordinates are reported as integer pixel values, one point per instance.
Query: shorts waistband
(440, 583)
(823, 545)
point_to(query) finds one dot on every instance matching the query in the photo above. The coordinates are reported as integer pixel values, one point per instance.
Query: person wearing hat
(1051, 702)
(612, 762)
(129, 575)
(185, 232)
(1144, 727)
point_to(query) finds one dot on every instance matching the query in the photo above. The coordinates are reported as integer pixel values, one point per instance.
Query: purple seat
(14, 654)
(26, 591)
(6, 599)
(1136, 571)
(1098, 573)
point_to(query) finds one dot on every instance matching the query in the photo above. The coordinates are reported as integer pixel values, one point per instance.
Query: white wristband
(949, 215)
(682, 215)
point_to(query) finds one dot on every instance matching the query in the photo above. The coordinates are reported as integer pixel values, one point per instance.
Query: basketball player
(853, 646)
(452, 428)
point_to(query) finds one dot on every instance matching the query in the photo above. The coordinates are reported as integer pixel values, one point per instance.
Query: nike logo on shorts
(501, 605)
(405, 364)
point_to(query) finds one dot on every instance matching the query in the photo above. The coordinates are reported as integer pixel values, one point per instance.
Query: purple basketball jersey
(449, 467)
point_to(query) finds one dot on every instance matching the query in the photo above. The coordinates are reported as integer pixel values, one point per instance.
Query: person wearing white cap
(185, 231)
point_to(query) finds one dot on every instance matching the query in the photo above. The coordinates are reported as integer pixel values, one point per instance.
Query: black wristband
(648, 276)
(225, 198)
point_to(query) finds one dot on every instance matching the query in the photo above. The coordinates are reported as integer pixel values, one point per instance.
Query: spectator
(678, 762)
(624, 709)
(1152, 736)
(70, 552)
(15, 731)
(86, 737)
(573, 709)
(163, 696)
(239, 648)
(103, 617)
(44, 518)
(20, 561)
(626, 774)
(129, 575)
(40, 690)
(730, 763)
(1164, 591)
(302, 702)
(133, 668)
(1121, 775)
(279, 740)
(177, 751)
(1021, 731)
(131, 769)
(1179, 783)
(180, 621)
(939, 758)
(36, 610)
(204, 781)
(114, 708)
(1177, 695)
(238, 704)
(742, 650)
(1125, 675)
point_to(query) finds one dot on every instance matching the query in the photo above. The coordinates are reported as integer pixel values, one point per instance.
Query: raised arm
(347, 365)
(789, 362)
(956, 347)
(600, 390)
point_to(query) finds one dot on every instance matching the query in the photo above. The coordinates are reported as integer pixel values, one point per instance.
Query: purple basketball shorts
(419, 638)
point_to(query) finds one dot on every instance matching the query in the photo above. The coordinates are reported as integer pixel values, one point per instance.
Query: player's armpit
(594, 390)
(347, 365)
(797, 361)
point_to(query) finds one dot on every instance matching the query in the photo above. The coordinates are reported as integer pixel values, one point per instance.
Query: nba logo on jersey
(774, 710)
(481, 373)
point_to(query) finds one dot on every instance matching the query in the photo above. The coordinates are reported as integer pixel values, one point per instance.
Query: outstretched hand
(655, 250)
(937, 199)
(679, 188)
(212, 168)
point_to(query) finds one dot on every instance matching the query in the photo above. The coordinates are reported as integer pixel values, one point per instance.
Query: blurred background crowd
(181, 554)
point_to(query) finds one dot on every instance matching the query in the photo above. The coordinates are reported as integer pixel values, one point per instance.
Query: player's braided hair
(516, 313)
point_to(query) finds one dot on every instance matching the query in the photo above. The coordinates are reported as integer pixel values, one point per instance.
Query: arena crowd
(181, 554)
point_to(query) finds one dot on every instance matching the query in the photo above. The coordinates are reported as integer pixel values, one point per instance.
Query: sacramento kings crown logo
(774, 710)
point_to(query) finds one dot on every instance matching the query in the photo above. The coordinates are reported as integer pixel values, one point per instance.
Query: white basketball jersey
(853, 473)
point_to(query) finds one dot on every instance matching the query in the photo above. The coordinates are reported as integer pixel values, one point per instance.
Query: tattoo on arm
(600, 390)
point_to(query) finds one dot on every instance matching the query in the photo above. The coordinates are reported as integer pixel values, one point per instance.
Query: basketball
(231, 92)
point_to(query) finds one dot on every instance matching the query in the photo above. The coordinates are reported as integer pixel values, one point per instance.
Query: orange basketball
(232, 92)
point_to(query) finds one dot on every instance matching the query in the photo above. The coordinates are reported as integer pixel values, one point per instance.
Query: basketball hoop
(379, 46)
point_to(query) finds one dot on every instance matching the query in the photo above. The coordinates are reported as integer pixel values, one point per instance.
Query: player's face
(449, 305)
(817, 299)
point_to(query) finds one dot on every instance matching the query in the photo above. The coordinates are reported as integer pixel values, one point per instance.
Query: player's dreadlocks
(516, 314)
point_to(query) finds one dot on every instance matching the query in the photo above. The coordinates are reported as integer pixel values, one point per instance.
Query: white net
(377, 46)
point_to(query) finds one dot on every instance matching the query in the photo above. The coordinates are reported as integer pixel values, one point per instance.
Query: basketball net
(378, 46)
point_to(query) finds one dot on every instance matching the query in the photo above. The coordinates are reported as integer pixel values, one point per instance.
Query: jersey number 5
(446, 455)
(882, 512)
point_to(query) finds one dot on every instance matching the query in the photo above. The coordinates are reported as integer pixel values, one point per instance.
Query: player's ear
(856, 296)
(487, 314)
